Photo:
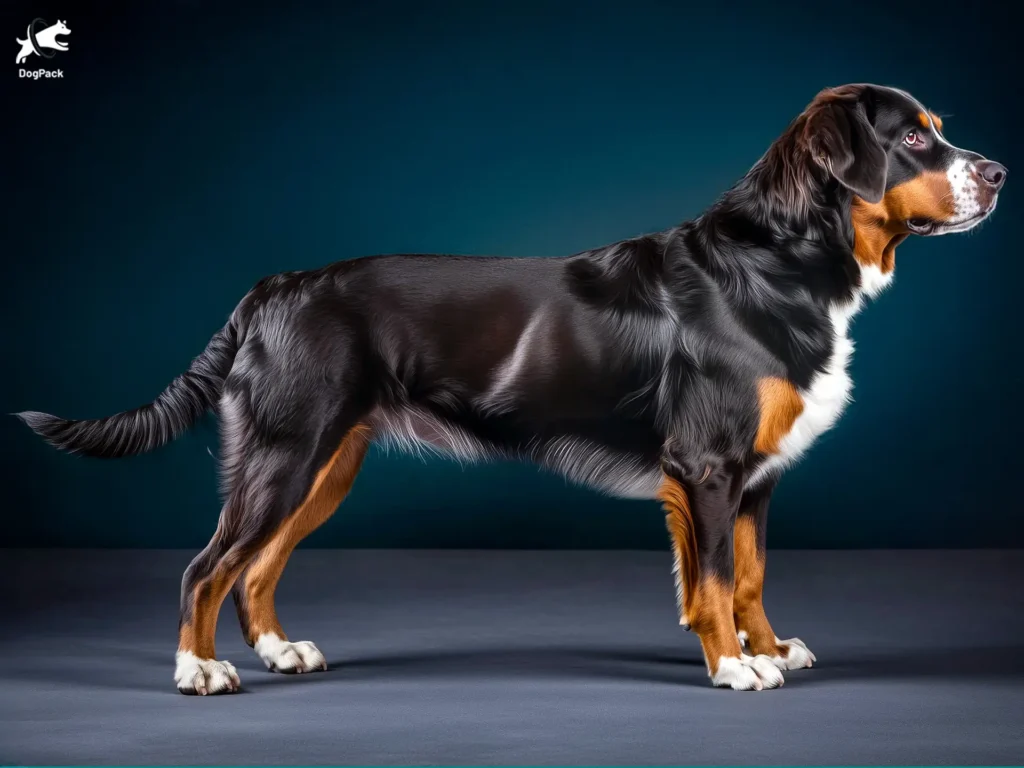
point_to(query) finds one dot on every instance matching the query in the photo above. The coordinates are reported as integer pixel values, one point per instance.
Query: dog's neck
(793, 281)
(798, 214)
(875, 236)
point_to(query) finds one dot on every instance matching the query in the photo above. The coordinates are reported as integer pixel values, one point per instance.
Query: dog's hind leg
(279, 455)
(254, 591)
(748, 608)
(700, 512)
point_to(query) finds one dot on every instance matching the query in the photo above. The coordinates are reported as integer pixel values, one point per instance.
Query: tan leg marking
(196, 636)
(679, 521)
(705, 603)
(747, 606)
(330, 487)
(713, 622)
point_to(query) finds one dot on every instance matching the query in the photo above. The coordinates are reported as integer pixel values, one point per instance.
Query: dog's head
(890, 152)
(60, 28)
(906, 178)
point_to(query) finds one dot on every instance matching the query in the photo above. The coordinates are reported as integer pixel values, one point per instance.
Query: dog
(690, 367)
(47, 38)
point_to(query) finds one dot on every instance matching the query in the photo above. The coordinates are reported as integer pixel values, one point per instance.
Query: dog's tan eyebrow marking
(928, 119)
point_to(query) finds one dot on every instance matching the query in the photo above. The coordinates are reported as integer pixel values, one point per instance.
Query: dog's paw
(793, 654)
(746, 673)
(282, 656)
(204, 677)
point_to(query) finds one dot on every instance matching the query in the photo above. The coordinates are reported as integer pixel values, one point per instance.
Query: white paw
(281, 656)
(204, 677)
(798, 655)
(746, 673)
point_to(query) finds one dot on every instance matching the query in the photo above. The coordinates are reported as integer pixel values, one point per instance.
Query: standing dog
(689, 366)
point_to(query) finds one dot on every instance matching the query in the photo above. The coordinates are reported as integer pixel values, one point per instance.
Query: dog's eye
(912, 139)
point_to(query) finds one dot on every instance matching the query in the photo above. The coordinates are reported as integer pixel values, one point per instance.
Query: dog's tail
(150, 426)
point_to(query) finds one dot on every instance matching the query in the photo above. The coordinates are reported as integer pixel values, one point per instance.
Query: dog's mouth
(921, 226)
(925, 227)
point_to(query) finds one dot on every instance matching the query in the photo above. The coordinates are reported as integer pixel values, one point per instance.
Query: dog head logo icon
(42, 40)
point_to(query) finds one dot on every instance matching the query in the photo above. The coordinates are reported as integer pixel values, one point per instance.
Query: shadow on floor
(144, 670)
(669, 667)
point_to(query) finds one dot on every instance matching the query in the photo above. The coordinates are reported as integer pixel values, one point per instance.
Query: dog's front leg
(751, 622)
(700, 509)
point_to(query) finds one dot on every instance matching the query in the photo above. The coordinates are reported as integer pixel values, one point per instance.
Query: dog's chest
(823, 400)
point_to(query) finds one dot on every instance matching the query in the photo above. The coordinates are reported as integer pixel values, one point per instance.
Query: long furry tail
(148, 427)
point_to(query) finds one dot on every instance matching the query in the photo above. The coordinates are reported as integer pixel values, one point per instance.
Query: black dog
(689, 366)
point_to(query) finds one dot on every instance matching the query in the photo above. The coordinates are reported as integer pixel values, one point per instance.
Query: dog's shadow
(651, 666)
(978, 663)
(145, 670)
(663, 666)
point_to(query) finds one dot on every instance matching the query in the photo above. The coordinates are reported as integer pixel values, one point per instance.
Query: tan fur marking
(922, 118)
(712, 619)
(679, 521)
(880, 227)
(330, 487)
(747, 605)
(937, 120)
(197, 635)
(926, 196)
(780, 406)
(707, 602)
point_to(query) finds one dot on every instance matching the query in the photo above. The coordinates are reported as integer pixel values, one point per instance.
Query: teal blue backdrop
(192, 148)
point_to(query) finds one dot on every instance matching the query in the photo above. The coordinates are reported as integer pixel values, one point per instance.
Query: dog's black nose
(992, 172)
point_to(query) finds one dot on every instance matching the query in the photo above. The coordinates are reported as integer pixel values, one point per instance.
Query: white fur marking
(746, 673)
(204, 676)
(964, 189)
(829, 393)
(799, 656)
(873, 280)
(282, 656)
(677, 574)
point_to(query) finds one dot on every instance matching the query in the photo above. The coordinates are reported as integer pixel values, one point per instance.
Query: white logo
(42, 40)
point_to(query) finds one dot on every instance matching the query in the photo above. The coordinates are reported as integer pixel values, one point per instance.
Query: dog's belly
(421, 431)
(622, 474)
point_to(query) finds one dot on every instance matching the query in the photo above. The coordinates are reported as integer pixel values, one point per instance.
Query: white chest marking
(829, 390)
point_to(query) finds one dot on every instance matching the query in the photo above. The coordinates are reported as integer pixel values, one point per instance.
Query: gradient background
(193, 148)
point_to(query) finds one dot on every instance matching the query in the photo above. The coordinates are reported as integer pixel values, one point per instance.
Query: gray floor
(517, 657)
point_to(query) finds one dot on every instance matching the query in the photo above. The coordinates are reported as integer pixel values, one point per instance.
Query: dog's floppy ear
(840, 136)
